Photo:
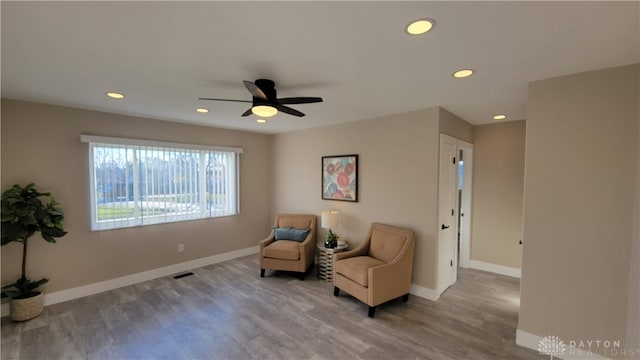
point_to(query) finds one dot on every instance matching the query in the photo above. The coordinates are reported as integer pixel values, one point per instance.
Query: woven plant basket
(25, 309)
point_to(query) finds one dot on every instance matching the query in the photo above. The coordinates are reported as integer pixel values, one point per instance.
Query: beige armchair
(286, 253)
(379, 269)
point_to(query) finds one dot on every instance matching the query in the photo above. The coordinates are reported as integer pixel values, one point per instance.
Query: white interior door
(447, 213)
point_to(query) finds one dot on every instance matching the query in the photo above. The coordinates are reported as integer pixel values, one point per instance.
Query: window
(140, 182)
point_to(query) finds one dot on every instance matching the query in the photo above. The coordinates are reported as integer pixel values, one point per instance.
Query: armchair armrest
(393, 278)
(389, 271)
(360, 250)
(308, 247)
(267, 241)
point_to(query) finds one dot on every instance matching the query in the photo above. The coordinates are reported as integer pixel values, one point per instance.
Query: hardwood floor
(226, 311)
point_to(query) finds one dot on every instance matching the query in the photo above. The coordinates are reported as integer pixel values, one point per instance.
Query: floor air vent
(183, 275)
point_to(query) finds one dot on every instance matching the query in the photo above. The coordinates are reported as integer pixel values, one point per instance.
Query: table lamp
(330, 220)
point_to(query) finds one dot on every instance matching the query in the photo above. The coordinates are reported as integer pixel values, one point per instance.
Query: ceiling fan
(265, 103)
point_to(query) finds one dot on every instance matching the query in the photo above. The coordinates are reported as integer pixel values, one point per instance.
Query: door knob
(444, 226)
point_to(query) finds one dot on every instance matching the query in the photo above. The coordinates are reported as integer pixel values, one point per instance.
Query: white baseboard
(531, 341)
(95, 288)
(424, 292)
(494, 268)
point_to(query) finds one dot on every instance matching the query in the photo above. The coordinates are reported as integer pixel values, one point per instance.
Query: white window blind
(140, 182)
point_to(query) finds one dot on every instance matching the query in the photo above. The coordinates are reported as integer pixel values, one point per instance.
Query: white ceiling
(164, 55)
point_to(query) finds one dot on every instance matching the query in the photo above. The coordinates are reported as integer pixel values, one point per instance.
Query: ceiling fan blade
(245, 101)
(299, 100)
(254, 89)
(288, 110)
(247, 113)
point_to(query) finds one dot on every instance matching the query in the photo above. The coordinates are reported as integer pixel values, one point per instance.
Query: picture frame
(340, 177)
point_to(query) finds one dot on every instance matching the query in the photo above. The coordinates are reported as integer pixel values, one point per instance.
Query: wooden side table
(324, 260)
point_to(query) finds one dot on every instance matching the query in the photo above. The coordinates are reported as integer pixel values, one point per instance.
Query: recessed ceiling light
(420, 27)
(264, 110)
(499, 117)
(463, 73)
(261, 121)
(202, 110)
(115, 95)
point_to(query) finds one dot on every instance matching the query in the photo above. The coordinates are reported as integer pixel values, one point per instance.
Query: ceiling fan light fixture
(264, 110)
(420, 27)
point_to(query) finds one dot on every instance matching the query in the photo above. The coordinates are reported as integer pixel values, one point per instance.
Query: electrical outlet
(180, 248)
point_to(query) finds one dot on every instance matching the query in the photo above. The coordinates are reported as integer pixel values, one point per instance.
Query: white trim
(424, 292)
(526, 339)
(441, 290)
(530, 341)
(467, 194)
(92, 186)
(495, 268)
(95, 288)
(126, 141)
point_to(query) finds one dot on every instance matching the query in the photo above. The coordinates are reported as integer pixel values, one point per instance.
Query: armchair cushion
(282, 249)
(295, 221)
(281, 233)
(386, 245)
(356, 268)
(285, 233)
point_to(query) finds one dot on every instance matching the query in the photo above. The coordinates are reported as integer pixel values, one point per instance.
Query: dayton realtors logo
(551, 345)
(555, 346)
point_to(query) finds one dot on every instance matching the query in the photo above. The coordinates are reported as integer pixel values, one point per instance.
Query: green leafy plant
(331, 239)
(24, 214)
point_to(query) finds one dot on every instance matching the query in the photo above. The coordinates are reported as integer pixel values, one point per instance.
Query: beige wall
(580, 181)
(452, 125)
(498, 187)
(398, 178)
(41, 144)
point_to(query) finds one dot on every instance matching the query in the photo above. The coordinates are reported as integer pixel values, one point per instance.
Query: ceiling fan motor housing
(268, 87)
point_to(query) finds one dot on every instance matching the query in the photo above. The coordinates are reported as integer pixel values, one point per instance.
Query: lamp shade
(330, 219)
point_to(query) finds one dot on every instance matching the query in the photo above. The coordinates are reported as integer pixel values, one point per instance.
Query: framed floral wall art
(340, 177)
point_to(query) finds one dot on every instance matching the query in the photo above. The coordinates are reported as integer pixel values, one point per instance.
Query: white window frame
(99, 141)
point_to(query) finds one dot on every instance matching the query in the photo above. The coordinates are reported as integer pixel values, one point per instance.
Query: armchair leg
(302, 275)
(405, 297)
(336, 291)
(261, 272)
(372, 311)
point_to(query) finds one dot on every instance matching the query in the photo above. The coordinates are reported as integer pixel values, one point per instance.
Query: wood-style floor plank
(226, 311)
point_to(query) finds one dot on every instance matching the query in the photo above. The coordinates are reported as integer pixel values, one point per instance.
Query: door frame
(465, 214)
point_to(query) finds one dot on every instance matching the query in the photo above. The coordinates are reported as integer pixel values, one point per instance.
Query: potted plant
(24, 214)
(331, 240)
